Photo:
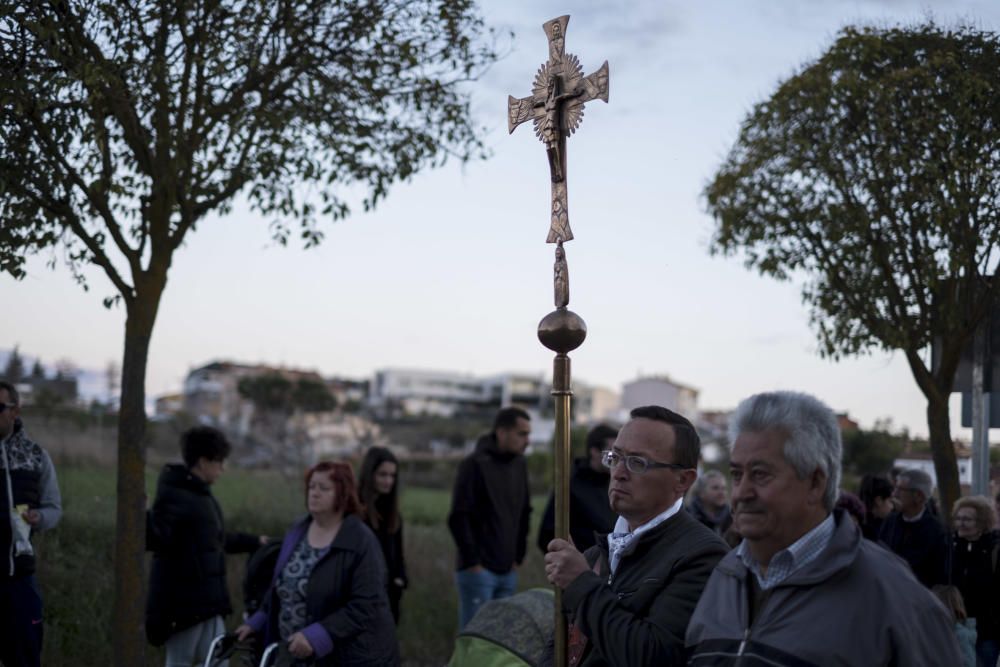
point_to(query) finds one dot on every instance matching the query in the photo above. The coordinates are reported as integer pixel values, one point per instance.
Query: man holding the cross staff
(633, 593)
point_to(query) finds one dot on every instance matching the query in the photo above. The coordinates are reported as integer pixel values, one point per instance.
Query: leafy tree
(312, 396)
(14, 371)
(872, 451)
(124, 123)
(278, 403)
(872, 175)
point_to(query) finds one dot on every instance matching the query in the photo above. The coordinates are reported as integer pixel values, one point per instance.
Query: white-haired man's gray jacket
(855, 604)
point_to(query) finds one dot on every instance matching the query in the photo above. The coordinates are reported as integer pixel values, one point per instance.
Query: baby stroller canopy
(510, 632)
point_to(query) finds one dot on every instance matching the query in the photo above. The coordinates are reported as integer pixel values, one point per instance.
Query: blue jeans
(477, 588)
(20, 622)
(987, 651)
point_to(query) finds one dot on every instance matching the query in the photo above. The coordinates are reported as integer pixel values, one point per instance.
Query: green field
(76, 569)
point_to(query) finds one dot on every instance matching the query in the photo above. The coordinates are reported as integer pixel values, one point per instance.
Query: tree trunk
(945, 462)
(129, 637)
(936, 387)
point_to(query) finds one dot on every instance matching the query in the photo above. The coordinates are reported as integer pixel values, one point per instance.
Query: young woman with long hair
(379, 492)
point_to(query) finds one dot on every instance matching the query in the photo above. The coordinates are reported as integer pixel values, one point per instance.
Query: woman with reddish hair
(327, 604)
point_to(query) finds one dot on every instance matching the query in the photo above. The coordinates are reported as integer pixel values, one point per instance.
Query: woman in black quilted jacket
(188, 594)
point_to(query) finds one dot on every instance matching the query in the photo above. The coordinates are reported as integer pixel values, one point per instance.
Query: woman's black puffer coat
(186, 533)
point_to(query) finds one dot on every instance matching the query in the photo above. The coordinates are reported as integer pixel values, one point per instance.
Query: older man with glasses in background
(632, 594)
(913, 533)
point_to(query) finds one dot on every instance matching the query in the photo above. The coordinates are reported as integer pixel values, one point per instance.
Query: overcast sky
(452, 272)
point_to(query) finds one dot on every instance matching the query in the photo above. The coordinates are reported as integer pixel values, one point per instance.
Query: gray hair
(699, 484)
(918, 480)
(813, 435)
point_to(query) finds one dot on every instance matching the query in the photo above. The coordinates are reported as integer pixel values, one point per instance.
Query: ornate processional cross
(556, 107)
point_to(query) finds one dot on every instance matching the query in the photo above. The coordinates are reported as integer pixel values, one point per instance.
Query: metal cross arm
(556, 106)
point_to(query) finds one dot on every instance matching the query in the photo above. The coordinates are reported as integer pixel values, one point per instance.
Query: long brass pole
(555, 108)
(562, 396)
(561, 331)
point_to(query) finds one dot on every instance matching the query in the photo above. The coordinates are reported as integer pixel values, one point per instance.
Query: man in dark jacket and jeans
(632, 594)
(489, 514)
(188, 593)
(29, 502)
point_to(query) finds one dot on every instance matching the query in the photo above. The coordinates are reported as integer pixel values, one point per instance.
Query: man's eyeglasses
(5, 406)
(635, 464)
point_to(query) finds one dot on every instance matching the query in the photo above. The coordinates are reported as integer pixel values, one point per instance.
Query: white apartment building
(660, 390)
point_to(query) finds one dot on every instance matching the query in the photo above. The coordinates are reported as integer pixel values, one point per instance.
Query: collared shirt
(792, 558)
(621, 541)
(918, 517)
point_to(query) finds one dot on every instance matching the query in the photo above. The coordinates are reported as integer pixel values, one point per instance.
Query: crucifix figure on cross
(556, 107)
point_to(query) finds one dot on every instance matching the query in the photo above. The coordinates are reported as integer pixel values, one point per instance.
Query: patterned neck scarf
(622, 541)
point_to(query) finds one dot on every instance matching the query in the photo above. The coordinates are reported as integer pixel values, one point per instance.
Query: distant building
(924, 461)
(401, 392)
(714, 424)
(348, 391)
(660, 390)
(846, 423)
(398, 392)
(212, 395)
(168, 405)
(595, 404)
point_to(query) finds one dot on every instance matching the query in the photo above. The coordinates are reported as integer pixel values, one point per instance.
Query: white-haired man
(913, 533)
(804, 588)
(710, 503)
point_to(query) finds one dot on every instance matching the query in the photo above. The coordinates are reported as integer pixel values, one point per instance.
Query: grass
(76, 572)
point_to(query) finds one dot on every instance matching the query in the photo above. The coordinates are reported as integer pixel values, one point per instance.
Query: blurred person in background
(589, 510)
(851, 504)
(965, 627)
(328, 605)
(914, 533)
(710, 502)
(30, 499)
(975, 547)
(378, 487)
(490, 511)
(876, 494)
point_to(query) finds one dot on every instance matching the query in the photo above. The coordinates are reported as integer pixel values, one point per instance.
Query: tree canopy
(124, 123)
(872, 176)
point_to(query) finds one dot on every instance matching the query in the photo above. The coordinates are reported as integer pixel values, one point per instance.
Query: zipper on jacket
(743, 644)
(10, 500)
